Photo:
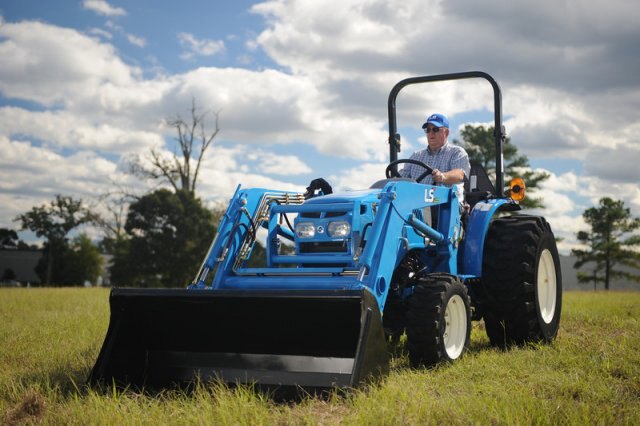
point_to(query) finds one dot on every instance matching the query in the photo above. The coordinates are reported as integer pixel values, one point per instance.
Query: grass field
(49, 339)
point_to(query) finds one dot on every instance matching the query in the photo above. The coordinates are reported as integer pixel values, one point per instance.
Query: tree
(8, 239)
(168, 236)
(610, 243)
(50, 267)
(8, 275)
(54, 222)
(479, 142)
(112, 223)
(82, 262)
(180, 170)
(75, 262)
(116, 206)
(122, 268)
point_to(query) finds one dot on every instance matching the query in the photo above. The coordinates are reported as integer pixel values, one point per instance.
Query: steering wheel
(392, 172)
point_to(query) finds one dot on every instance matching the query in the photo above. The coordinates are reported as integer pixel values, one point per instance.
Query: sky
(300, 88)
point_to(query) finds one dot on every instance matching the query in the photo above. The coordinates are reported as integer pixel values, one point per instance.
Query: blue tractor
(345, 275)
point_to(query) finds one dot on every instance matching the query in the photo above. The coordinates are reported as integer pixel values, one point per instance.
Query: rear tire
(438, 320)
(522, 281)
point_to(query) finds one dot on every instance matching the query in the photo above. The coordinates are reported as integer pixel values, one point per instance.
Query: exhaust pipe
(303, 339)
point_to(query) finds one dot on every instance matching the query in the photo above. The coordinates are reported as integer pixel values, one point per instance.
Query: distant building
(20, 266)
(22, 263)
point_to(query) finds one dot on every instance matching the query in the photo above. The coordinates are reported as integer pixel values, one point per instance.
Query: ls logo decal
(429, 195)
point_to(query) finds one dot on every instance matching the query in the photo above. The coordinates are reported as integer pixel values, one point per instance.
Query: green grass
(49, 339)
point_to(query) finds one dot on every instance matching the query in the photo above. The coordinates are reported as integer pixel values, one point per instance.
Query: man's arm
(459, 168)
(448, 178)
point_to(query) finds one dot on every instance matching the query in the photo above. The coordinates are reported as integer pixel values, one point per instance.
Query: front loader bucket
(307, 339)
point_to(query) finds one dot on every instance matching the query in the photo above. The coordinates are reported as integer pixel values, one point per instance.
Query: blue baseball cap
(438, 120)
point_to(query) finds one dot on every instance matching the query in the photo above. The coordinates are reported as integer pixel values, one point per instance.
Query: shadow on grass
(219, 389)
(400, 358)
(71, 381)
(66, 380)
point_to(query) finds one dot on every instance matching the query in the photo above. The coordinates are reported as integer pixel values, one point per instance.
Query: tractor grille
(316, 215)
(324, 247)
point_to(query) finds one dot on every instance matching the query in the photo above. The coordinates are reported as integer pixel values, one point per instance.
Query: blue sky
(301, 89)
(146, 32)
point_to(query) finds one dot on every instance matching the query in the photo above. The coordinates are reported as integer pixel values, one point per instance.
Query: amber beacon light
(517, 189)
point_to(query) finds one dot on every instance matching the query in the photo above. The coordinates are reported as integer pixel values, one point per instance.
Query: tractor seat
(478, 186)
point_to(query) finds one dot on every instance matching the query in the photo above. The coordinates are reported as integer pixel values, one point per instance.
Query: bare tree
(115, 204)
(181, 169)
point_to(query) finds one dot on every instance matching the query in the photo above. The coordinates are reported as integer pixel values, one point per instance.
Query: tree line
(159, 239)
(154, 240)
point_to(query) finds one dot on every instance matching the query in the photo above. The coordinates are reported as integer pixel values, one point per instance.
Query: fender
(477, 228)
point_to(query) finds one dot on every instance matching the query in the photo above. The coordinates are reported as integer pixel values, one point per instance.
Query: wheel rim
(546, 283)
(455, 332)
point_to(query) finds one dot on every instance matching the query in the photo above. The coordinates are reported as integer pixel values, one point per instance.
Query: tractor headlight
(305, 230)
(339, 229)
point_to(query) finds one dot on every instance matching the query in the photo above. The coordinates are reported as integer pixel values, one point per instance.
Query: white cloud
(566, 227)
(53, 65)
(360, 177)
(568, 195)
(120, 115)
(136, 41)
(615, 165)
(113, 26)
(131, 38)
(31, 175)
(224, 170)
(62, 129)
(199, 47)
(593, 189)
(557, 77)
(101, 33)
(283, 165)
(556, 203)
(101, 7)
(270, 106)
(310, 36)
(244, 60)
(567, 182)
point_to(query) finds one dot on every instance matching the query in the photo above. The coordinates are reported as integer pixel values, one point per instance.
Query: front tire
(438, 320)
(522, 281)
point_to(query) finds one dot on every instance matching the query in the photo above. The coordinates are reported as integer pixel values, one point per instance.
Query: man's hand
(448, 178)
(438, 176)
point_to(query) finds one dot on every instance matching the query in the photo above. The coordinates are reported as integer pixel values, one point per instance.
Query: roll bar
(499, 132)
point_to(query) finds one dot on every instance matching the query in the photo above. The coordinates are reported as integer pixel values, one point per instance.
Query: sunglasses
(432, 129)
